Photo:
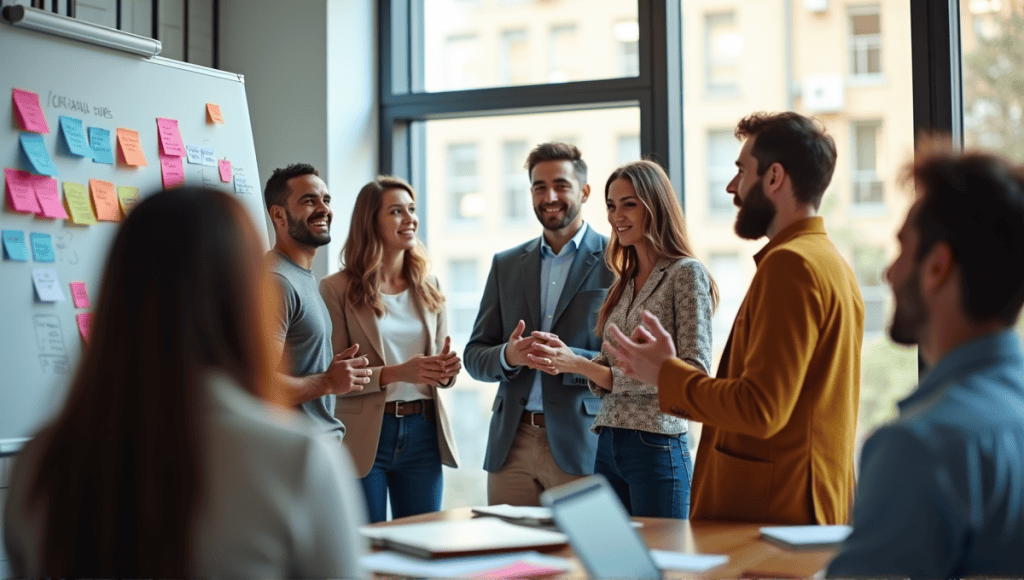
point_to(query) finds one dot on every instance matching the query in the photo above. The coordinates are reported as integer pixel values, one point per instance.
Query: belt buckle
(398, 409)
(533, 419)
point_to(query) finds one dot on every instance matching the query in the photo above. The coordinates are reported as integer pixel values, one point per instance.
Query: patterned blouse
(678, 293)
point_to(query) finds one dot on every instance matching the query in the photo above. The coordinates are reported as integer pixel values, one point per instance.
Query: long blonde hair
(664, 231)
(363, 253)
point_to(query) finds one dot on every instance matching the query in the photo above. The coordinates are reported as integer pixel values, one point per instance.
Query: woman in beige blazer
(384, 300)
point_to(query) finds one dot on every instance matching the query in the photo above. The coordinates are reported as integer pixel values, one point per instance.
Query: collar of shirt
(1003, 346)
(806, 226)
(572, 246)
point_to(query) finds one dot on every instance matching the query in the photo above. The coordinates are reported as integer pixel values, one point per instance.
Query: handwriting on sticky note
(131, 148)
(213, 112)
(42, 247)
(78, 203)
(209, 156)
(48, 197)
(29, 112)
(84, 320)
(99, 142)
(194, 154)
(172, 171)
(74, 136)
(225, 170)
(47, 285)
(14, 245)
(104, 197)
(20, 192)
(128, 197)
(34, 148)
(170, 137)
(80, 295)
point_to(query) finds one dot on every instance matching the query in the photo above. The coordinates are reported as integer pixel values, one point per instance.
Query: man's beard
(910, 315)
(571, 212)
(755, 215)
(299, 231)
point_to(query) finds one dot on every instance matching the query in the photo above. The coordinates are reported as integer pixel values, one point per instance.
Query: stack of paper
(806, 537)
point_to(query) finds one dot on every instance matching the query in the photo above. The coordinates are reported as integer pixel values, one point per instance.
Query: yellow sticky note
(128, 198)
(78, 203)
(104, 198)
(130, 147)
(213, 113)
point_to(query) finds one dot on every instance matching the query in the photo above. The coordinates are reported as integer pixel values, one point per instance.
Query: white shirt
(404, 335)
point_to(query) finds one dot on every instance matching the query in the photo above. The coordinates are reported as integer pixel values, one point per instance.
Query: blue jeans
(650, 472)
(407, 468)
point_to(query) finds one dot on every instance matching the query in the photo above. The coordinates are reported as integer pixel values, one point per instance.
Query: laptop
(599, 530)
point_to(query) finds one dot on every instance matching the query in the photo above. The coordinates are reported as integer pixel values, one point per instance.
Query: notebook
(806, 537)
(462, 538)
(523, 515)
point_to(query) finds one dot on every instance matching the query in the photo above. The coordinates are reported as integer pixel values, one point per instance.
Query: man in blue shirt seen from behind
(941, 491)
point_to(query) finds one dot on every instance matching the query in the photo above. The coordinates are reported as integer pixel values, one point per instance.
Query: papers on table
(524, 515)
(687, 562)
(806, 537)
(518, 565)
(453, 538)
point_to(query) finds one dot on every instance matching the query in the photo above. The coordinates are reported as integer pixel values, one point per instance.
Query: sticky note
(213, 113)
(74, 136)
(42, 247)
(48, 197)
(128, 197)
(194, 154)
(104, 198)
(47, 285)
(209, 156)
(241, 185)
(14, 244)
(78, 203)
(29, 112)
(99, 142)
(172, 171)
(225, 170)
(34, 148)
(84, 320)
(20, 191)
(131, 149)
(80, 295)
(170, 137)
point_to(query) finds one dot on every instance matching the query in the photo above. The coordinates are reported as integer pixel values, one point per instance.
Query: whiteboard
(39, 341)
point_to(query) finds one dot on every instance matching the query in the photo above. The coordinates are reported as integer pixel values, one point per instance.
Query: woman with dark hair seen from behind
(642, 451)
(385, 300)
(163, 463)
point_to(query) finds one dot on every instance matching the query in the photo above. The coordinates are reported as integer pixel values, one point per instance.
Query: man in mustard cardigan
(780, 416)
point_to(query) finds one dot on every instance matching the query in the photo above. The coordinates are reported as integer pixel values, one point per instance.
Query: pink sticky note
(170, 137)
(225, 170)
(48, 196)
(518, 569)
(30, 113)
(84, 323)
(20, 191)
(172, 170)
(80, 295)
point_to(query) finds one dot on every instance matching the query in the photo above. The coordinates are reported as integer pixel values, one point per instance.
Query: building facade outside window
(723, 46)
(465, 204)
(865, 30)
(866, 183)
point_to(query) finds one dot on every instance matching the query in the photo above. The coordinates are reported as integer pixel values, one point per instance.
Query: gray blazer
(512, 294)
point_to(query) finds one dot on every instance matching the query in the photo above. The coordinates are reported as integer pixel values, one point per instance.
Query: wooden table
(749, 556)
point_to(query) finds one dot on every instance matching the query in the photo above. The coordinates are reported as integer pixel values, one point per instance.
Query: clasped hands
(542, 351)
(349, 373)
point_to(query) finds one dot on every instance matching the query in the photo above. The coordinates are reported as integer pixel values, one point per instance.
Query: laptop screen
(589, 513)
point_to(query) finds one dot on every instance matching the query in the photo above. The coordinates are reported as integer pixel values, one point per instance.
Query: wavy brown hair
(664, 231)
(363, 253)
(119, 481)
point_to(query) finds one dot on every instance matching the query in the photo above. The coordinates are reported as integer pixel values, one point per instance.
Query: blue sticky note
(42, 247)
(74, 136)
(99, 141)
(34, 148)
(14, 244)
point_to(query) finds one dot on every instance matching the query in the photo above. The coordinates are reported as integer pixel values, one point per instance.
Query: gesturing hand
(642, 356)
(518, 347)
(449, 362)
(347, 372)
(551, 355)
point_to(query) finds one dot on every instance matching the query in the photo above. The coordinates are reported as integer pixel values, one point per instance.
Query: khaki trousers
(528, 470)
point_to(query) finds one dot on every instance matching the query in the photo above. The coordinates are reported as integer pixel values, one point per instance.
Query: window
(727, 270)
(627, 47)
(463, 295)
(515, 181)
(865, 41)
(464, 66)
(627, 149)
(514, 57)
(866, 184)
(723, 47)
(721, 163)
(869, 263)
(562, 48)
(464, 203)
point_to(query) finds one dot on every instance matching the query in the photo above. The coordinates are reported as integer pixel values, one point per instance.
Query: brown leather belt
(530, 418)
(403, 408)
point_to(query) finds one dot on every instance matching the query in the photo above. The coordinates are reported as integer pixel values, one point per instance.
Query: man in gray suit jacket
(540, 436)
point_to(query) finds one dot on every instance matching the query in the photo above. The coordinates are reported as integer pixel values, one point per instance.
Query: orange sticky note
(213, 113)
(84, 320)
(104, 197)
(80, 295)
(48, 197)
(225, 170)
(130, 147)
(172, 170)
(77, 199)
(29, 112)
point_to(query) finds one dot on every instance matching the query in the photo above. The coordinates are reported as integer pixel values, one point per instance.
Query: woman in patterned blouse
(642, 451)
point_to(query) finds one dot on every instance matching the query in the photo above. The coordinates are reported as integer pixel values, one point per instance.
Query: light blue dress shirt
(554, 271)
(941, 491)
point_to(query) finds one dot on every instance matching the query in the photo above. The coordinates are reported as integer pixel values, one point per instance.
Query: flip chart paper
(225, 170)
(104, 197)
(47, 285)
(172, 171)
(131, 149)
(29, 112)
(35, 150)
(170, 137)
(48, 197)
(128, 197)
(80, 295)
(209, 156)
(99, 142)
(14, 244)
(194, 154)
(20, 191)
(213, 113)
(42, 247)
(78, 203)
(84, 320)
(74, 136)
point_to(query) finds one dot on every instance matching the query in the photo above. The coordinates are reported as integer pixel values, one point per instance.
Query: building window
(868, 265)
(465, 203)
(627, 47)
(723, 50)
(462, 55)
(627, 148)
(514, 57)
(722, 150)
(515, 182)
(563, 46)
(727, 270)
(865, 41)
(463, 295)
(866, 184)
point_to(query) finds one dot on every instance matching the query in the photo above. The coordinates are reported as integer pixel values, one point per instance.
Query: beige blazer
(362, 412)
